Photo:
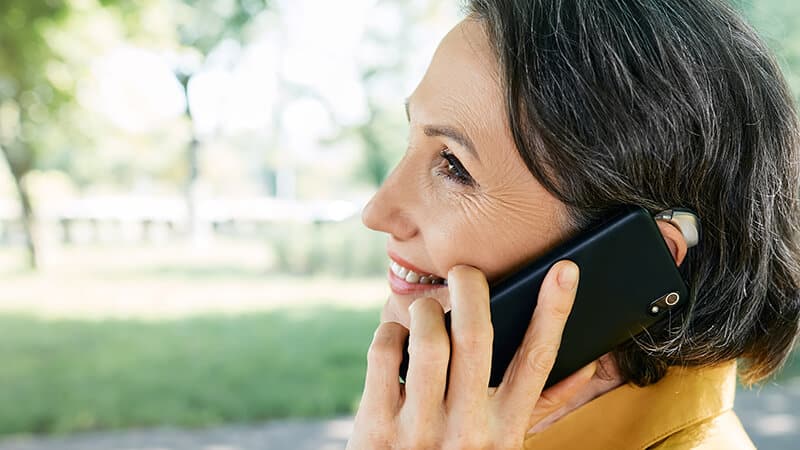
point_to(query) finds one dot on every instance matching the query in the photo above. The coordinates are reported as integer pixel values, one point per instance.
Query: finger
(471, 337)
(381, 397)
(531, 365)
(429, 353)
(558, 395)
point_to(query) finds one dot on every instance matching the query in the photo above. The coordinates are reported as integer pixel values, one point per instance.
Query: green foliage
(206, 23)
(24, 85)
(67, 376)
(24, 48)
(384, 138)
(778, 22)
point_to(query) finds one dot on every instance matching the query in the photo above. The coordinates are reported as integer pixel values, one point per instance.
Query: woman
(534, 118)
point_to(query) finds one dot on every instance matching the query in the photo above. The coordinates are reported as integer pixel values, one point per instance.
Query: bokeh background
(181, 252)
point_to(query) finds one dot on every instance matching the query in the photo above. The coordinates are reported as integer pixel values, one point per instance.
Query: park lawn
(62, 376)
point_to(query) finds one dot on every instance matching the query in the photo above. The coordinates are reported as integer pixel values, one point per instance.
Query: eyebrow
(447, 131)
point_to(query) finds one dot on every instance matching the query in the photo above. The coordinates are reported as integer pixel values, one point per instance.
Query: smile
(412, 277)
(405, 281)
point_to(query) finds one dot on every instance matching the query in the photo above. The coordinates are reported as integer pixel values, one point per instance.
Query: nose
(389, 210)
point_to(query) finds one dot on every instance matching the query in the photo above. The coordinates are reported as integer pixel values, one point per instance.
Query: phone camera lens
(664, 303)
(672, 298)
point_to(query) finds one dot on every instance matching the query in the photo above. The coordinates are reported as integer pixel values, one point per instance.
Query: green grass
(65, 376)
(69, 375)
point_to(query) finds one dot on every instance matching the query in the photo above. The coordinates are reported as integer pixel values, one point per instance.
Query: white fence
(128, 218)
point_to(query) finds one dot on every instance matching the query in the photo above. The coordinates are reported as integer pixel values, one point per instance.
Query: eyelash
(461, 175)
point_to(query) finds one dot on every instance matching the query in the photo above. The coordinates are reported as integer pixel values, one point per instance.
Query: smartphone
(628, 282)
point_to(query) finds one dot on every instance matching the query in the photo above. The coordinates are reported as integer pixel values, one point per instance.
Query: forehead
(461, 85)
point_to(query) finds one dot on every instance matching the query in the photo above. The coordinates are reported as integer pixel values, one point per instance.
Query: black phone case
(625, 268)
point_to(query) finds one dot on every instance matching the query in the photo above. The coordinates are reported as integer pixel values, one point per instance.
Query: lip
(408, 265)
(401, 286)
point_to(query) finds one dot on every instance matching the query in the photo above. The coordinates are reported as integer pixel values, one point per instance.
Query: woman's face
(461, 194)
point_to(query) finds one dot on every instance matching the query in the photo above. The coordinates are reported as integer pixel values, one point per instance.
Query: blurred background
(182, 259)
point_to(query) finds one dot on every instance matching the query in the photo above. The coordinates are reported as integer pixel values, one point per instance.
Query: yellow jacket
(690, 408)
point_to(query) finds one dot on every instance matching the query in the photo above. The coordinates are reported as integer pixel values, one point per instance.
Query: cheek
(470, 234)
(494, 233)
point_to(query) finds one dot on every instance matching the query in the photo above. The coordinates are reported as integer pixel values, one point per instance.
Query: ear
(674, 239)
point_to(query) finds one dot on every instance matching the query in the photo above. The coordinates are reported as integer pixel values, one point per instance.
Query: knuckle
(468, 440)
(373, 432)
(418, 443)
(546, 402)
(427, 305)
(509, 442)
(559, 309)
(430, 351)
(419, 428)
(383, 348)
(539, 360)
(419, 438)
(474, 340)
(379, 355)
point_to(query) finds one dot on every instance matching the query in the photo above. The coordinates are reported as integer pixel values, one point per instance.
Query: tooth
(402, 272)
(423, 280)
(395, 267)
(412, 277)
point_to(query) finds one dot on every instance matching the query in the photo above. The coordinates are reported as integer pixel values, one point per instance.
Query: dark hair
(662, 104)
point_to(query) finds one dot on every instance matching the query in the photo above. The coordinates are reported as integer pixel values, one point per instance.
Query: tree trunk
(190, 191)
(18, 173)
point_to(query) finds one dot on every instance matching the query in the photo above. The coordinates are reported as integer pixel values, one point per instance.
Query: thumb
(557, 396)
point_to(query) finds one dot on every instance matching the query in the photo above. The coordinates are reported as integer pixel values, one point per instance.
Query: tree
(36, 85)
(384, 130)
(29, 94)
(202, 26)
(778, 22)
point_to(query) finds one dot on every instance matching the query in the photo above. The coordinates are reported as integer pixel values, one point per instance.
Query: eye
(452, 169)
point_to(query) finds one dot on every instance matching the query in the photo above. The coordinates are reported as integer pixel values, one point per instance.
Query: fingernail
(568, 276)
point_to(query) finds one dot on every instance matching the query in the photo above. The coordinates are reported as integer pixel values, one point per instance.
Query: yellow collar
(631, 417)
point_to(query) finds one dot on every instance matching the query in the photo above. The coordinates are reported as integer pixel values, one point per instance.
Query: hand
(467, 415)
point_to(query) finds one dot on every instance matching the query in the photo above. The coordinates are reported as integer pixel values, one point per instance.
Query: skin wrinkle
(509, 217)
(509, 198)
(504, 221)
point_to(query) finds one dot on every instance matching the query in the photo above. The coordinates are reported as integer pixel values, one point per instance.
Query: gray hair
(662, 104)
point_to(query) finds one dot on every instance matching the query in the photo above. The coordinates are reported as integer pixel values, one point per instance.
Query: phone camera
(672, 298)
(663, 303)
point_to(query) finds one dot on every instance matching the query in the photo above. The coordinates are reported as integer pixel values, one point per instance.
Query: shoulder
(723, 432)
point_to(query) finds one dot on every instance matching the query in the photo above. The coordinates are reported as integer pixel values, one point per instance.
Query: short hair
(667, 104)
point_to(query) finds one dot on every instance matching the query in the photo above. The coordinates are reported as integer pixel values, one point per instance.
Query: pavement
(278, 435)
(771, 416)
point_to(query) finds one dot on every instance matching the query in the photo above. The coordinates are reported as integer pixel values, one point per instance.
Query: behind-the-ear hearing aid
(686, 221)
